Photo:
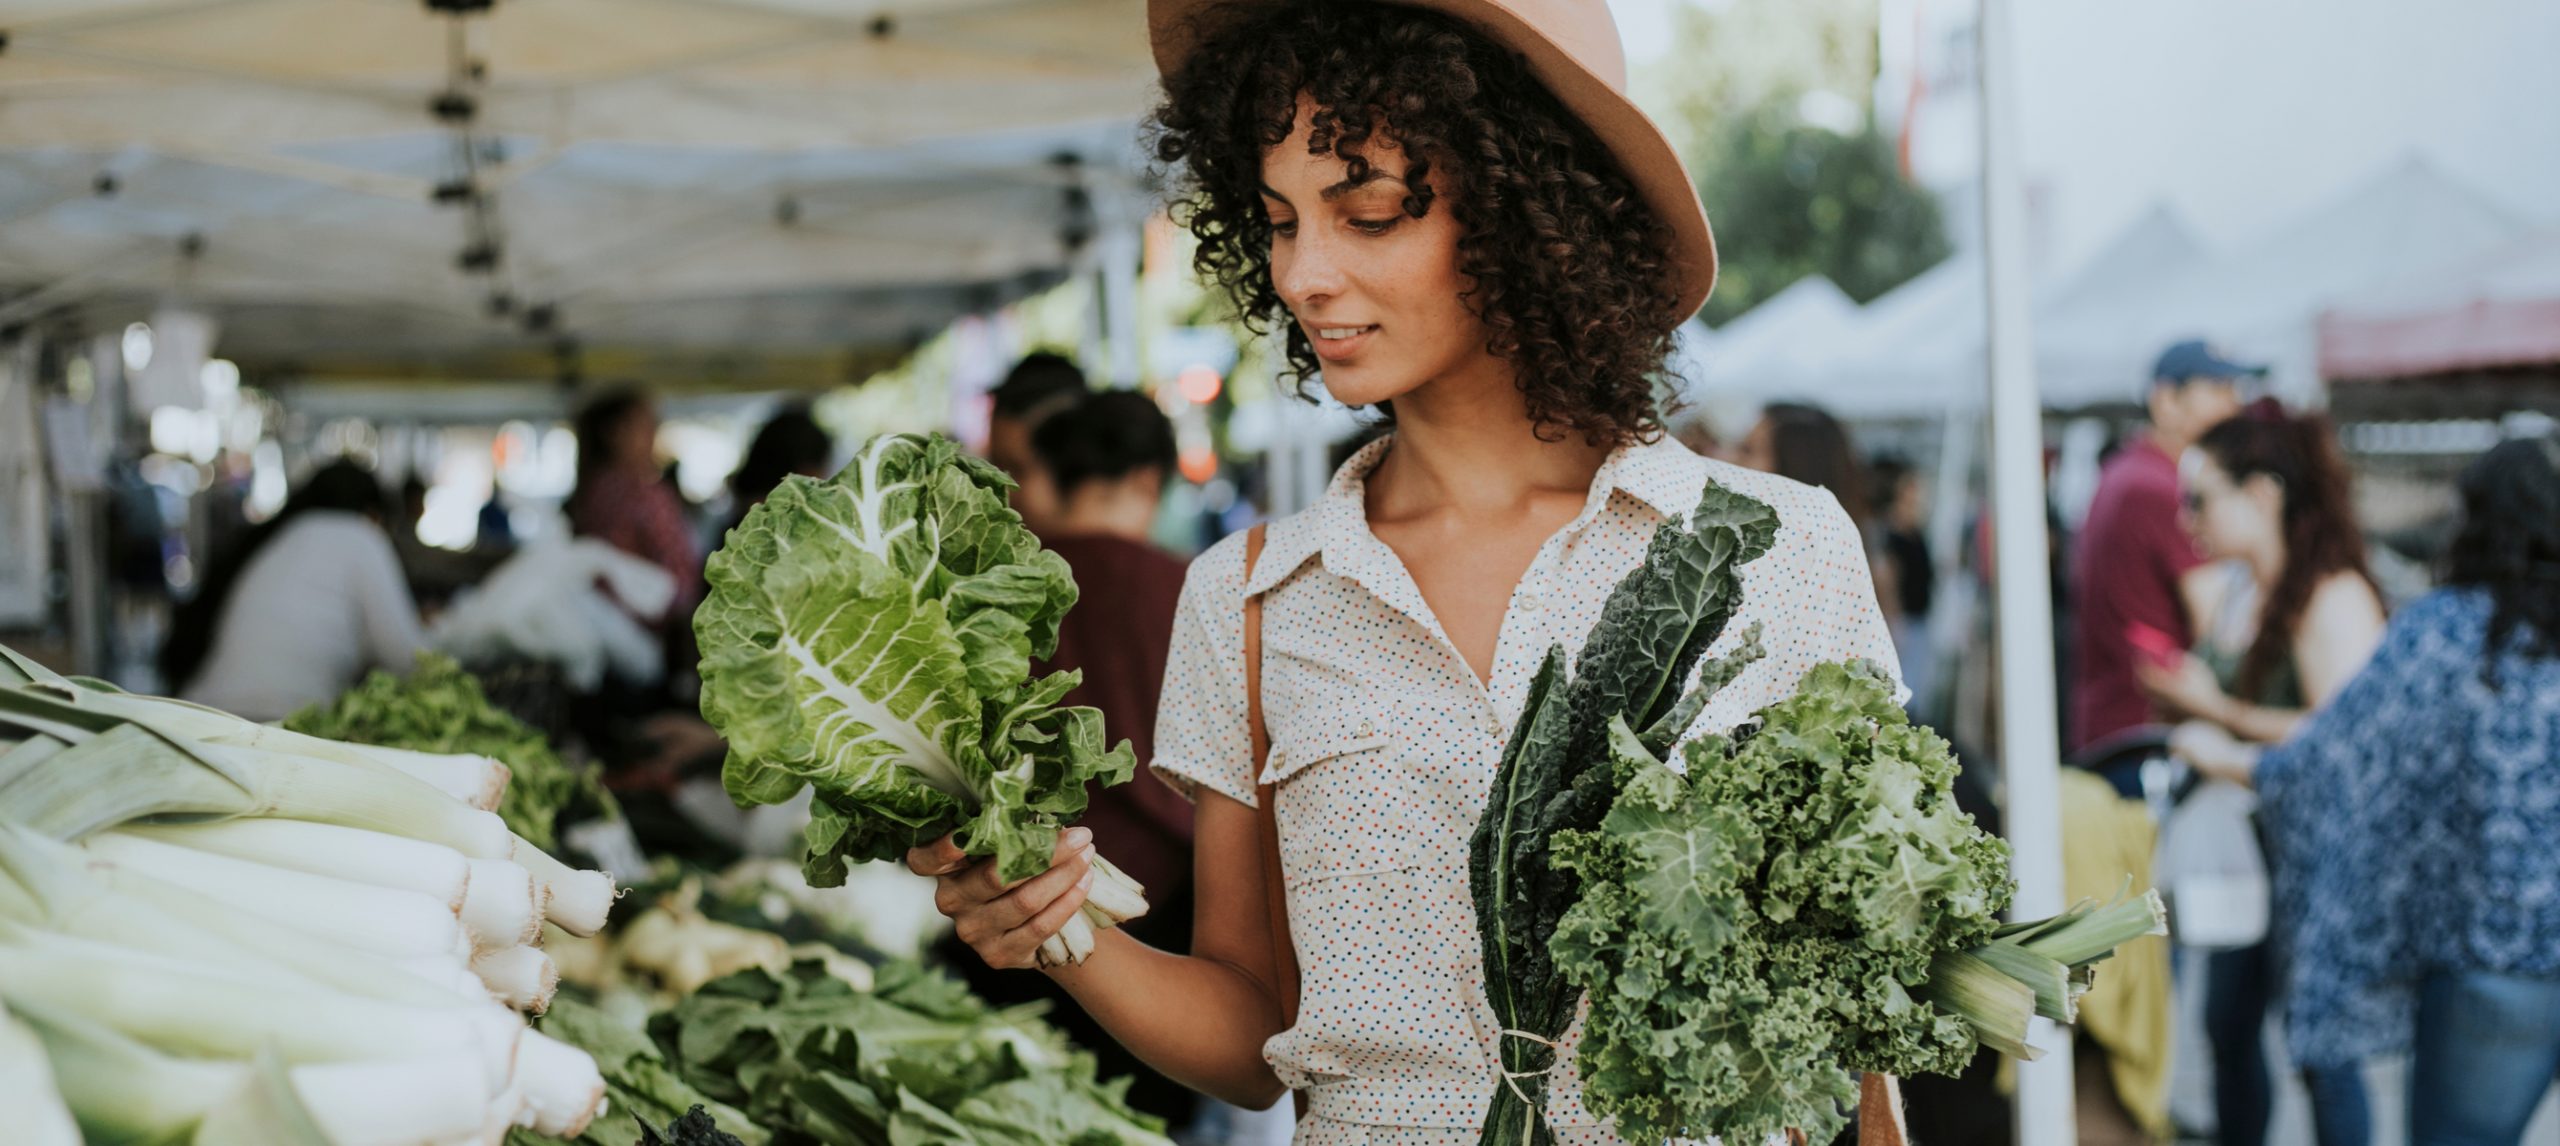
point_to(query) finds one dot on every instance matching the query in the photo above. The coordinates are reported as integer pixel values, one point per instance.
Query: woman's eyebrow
(1341, 189)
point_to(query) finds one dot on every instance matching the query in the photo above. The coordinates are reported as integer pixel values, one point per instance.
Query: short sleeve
(1848, 623)
(1201, 738)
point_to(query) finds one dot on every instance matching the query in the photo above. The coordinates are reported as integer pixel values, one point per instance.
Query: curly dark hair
(1570, 270)
(2510, 546)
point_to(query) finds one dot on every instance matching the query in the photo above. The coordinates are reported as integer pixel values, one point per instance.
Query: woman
(2298, 614)
(301, 608)
(623, 498)
(2416, 825)
(791, 442)
(1504, 286)
(1807, 444)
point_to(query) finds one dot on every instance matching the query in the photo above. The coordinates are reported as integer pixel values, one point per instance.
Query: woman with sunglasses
(2266, 493)
(1452, 212)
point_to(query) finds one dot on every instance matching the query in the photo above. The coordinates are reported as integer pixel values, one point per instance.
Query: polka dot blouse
(1384, 744)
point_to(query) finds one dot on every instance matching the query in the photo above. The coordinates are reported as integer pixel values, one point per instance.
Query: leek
(520, 977)
(474, 780)
(563, 1089)
(502, 906)
(382, 920)
(186, 1007)
(122, 1089)
(120, 771)
(38, 1115)
(76, 896)
(376, 858)
(578, 900)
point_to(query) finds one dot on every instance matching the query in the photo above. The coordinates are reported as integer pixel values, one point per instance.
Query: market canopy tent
(709, 182)
(2500, 310)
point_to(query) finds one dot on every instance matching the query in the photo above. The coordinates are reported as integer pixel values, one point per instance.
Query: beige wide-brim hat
(1572, 47)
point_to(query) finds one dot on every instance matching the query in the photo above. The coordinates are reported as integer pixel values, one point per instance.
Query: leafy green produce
(439, 707)
(1801, 901)
(642, 1090)
(871, 636)
(916, 1060)
(1555, 776)
(694, 1129)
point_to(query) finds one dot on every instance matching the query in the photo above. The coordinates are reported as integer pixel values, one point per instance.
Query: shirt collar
(1662, 475)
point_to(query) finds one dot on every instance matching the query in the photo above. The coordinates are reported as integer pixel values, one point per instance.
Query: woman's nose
(1307, 272)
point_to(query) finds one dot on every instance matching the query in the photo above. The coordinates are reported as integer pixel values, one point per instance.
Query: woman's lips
(1336, 343)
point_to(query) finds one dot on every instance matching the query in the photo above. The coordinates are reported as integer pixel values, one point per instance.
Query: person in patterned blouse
(2415, 823)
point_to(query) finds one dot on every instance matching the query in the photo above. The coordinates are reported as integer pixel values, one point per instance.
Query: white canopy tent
(2264, 301)
(739, 179)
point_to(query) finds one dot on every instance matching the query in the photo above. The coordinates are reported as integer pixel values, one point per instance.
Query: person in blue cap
(2131, 562)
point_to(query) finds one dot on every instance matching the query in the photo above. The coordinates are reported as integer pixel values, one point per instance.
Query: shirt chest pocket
(1347, 805)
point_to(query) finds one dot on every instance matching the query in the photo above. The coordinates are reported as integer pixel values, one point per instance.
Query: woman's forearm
(1199, 1021)
(2256, 724)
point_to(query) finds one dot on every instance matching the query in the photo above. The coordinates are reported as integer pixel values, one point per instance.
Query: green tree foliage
(1791, 199)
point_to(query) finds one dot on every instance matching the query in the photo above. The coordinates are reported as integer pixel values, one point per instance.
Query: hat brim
(1643, 152)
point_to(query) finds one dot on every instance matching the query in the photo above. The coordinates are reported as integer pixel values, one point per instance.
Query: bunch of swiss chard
(1800, 899)
(871, 636)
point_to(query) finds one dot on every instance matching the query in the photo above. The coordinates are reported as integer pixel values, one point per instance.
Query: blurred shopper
(1900, 528)
(790, 442)
(1040, 385)
(1806, 443)
(2290, 615)
(622, 498)
(1109, 458)
(301, 608)
(2416, 826)
(2130, 562)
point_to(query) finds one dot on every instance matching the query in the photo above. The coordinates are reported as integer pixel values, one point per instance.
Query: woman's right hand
(1006, 924)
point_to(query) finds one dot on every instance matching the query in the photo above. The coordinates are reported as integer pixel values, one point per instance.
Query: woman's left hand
(2187, 688)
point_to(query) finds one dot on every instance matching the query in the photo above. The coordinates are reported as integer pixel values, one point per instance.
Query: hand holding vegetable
(1007, 923)
(871, 637)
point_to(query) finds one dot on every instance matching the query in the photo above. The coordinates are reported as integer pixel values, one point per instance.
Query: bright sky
(2243, 114)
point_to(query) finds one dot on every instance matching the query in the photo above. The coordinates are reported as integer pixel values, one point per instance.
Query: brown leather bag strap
(1275, 895)
(1880, 1111)
(1266, 802)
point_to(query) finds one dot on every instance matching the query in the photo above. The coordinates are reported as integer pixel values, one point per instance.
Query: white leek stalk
(36, 1108)
(561, 1085)
(521, 977)
(123, 1090)
(383, 920)
(126, 771)
(474, 780)
(503, 906)
(186, 1007)
(376, 858)
(579, 899)
(78, 896)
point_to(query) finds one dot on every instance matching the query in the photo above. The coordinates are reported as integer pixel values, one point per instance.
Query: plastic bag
(2212, 870)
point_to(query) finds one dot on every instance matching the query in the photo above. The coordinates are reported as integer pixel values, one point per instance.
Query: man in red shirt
(2132, 561)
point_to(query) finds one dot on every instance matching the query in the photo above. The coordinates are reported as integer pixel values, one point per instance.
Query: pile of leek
(220, 932)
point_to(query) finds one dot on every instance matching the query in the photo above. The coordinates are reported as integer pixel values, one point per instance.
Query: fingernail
(1079, 837)
(1087, 881)
(1090, 855)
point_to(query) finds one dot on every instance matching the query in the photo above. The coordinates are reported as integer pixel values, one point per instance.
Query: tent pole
(2030, 744)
